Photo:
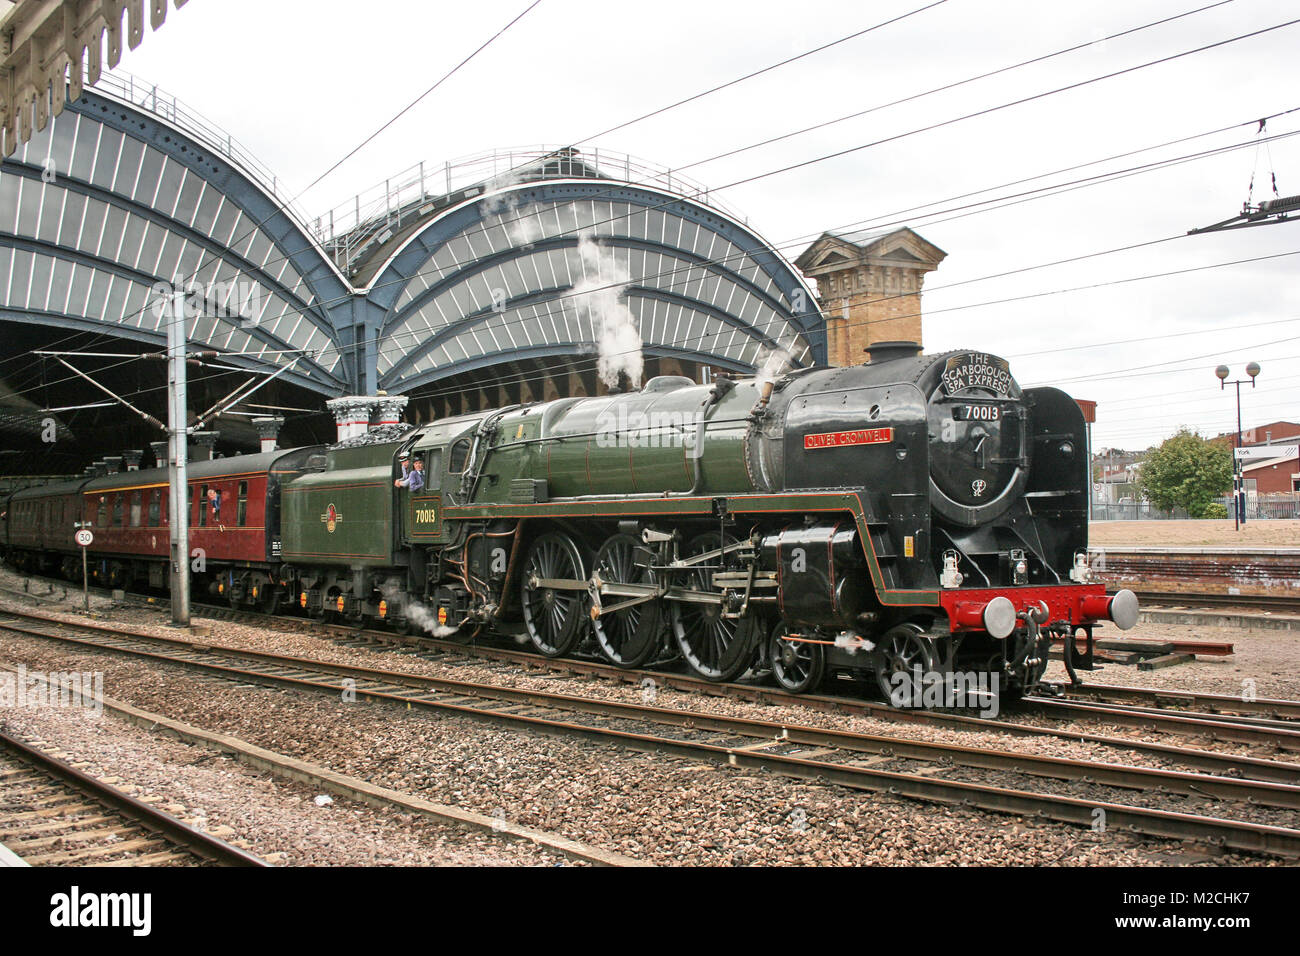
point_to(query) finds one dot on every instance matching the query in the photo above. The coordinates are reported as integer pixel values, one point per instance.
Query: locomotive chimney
(131, 458)
(890, 351)
(201, 445)
(268, 430)
(159, 449)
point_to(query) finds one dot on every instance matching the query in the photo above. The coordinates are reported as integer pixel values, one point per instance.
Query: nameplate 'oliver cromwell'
(977, 370)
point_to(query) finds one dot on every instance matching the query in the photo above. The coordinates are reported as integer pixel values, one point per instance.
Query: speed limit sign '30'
(84, 537)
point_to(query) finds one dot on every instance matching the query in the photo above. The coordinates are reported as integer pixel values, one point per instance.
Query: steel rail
(1204, 760)
(1245, 602)
(1248, 730)
(468, 699)
(1286, 711)
(1261, 768)
(174, 831)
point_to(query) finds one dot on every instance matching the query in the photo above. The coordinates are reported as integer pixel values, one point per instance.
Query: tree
(1189, 471)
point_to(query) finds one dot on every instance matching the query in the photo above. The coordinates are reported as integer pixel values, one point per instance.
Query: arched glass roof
(504, 274)
(119, 193)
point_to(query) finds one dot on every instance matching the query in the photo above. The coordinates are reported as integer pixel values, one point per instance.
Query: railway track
(1251, 731)
(1202, 574)
(918, 769)
(56, 815)
(1205, 722)
(1227, 725)
(1152, 600)
(1285, 713)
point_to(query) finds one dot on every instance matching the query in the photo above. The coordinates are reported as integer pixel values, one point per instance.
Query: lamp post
(1238, 480)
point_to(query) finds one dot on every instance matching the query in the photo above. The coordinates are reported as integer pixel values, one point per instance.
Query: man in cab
(412, 477)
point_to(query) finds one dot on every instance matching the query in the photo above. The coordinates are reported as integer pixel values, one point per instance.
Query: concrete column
(351, 415)
(268, 430)
(201, 445)
(387, 410)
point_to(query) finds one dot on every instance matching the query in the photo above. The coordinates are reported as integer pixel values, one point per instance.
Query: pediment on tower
(835, 251)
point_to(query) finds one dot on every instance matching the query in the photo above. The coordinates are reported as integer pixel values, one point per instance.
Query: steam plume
(598, 296)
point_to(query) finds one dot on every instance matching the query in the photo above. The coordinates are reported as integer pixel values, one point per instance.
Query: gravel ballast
(283, 822)
(663, 809)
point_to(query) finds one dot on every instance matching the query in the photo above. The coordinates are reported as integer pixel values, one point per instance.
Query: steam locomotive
(911, 515)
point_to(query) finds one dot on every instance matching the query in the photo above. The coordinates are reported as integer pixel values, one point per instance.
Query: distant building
(1269, 457)
(1272, 433)
(1117, 484)
(1278, 474)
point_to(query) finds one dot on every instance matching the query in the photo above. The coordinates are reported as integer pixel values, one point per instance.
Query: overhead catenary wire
(700, 340)
(767, 69)
(338, 351)
(322, 176)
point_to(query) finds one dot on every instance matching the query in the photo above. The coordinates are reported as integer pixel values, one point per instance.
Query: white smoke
(853, 642)
(598, 295)
(520, 220)
(419, 615)
(773, 362)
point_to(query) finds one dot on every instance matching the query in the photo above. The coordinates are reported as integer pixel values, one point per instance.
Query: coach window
(242, 514)
(456, 460)
(155, 507)
(137, 501)
(203, 506)
(101, 519)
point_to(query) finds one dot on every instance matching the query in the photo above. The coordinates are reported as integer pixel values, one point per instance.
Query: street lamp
(1238, 481)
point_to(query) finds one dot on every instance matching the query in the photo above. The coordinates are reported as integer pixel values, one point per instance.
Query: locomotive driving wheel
(554, 616)
(631, 636)
(901, 651)
(798, 666)
(715, 646)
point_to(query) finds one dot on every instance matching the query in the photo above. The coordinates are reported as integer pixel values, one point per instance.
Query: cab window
(432, 468)
(456, 459)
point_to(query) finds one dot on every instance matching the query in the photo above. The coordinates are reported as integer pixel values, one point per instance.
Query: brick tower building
(869, 287)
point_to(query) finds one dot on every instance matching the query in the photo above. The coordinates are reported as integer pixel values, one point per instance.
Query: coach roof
(217, 468)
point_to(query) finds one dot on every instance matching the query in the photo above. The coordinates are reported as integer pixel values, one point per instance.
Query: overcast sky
(302, 83)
